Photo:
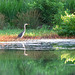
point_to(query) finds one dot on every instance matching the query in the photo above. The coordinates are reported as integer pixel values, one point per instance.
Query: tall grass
(10, 8)
(31, 17)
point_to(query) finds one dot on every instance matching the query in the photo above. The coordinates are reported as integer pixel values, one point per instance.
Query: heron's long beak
(27, 24)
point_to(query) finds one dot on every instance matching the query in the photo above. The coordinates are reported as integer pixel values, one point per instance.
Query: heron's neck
(24, 28)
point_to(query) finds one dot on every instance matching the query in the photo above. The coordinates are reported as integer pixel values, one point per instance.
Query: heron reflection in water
(24, 49)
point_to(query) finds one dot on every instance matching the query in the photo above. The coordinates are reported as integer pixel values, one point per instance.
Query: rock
(40, 44)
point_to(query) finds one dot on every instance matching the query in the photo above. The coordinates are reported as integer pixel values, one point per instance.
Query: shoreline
(6, 38)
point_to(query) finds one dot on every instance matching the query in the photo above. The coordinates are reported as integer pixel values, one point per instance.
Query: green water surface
(14, 62)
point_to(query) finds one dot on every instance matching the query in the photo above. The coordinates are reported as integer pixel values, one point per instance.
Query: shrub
(33, 11)
(67, 26)
(48, 9)
(57, 16)
(70, 4)
(31, 17)
(2, 21)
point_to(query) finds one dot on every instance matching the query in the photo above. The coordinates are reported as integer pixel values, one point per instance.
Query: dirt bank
(14, 38)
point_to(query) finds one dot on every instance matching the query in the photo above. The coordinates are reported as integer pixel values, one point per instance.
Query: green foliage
(67, 26)
(37, 13)
(68, 57)
(48, 10)
(70, 4)
(57, 16)
(11, 7)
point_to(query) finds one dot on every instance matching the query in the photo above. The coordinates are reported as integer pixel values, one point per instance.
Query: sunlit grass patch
(29, 32)
(10, 31)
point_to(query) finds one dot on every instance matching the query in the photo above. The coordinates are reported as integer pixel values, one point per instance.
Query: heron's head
(26, 24)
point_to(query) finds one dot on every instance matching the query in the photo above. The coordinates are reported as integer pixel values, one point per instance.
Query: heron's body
(22, 33)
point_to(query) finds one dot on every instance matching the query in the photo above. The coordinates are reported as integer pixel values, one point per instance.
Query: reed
(10, 8)
(31, 17)
(2, 21)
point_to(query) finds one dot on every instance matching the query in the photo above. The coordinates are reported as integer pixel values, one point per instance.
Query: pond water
(44, 58)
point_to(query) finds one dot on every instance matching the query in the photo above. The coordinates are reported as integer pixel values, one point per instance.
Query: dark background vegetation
(58, 15)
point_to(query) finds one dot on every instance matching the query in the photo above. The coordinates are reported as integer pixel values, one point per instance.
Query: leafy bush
(70, 4)
(31, 17)
(57, 16)
(67, 26)
(48, 9)
(2, 21)
(35, 12)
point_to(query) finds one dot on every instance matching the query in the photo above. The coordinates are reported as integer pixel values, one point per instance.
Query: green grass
(29, 32)
(10, 31)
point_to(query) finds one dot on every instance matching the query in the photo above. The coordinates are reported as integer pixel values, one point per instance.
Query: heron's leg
(24, 49)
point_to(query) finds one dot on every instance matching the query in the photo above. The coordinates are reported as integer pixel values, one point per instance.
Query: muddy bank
(14, 38)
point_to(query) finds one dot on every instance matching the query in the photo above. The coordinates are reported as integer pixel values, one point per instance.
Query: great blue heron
(22, 33)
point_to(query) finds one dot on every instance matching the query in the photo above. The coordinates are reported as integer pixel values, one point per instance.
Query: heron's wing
(20, 34)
